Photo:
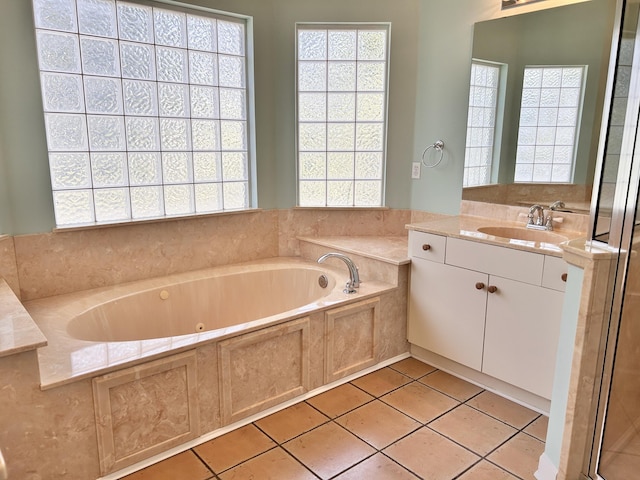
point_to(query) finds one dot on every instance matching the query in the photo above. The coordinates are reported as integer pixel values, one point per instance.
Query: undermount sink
(524, 234)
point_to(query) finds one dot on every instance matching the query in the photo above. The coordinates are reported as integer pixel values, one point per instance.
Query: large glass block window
(481, 123)
(145, 110)
(342, 75)
(549, 117)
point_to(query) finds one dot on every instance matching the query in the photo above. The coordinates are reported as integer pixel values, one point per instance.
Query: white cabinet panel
(446, 311)
(521, 335)
(427, 246)
(501, 261)
(554, 274)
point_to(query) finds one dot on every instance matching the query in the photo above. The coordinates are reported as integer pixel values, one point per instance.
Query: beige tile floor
(406, 421)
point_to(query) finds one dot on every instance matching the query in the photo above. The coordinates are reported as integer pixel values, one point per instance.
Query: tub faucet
(354, 280)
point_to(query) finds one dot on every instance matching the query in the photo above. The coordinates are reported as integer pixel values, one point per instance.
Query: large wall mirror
(569, 36)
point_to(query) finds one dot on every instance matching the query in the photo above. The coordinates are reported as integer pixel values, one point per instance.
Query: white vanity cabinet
(447, 312)
(494, 309)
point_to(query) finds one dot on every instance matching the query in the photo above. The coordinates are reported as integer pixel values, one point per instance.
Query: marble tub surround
(67, 359)
(45, 434)
(18, 332)
(47, 264)
(388, 249)
(418, 216)
(379, 259)
(61, 262)
(8, 264)
(322, 222)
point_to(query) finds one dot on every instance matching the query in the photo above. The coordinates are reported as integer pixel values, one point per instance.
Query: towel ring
(439, 146)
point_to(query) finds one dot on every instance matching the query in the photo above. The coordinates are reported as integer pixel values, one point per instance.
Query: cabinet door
(446, 311)
(521, 335)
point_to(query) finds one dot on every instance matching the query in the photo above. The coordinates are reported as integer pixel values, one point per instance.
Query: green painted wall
(446, 38)
(24, 153)
(431, 43)
(24, 149)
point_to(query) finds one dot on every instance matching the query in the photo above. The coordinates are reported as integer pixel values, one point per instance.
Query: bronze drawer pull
(492, 289)
(426, 247)
(479, 285)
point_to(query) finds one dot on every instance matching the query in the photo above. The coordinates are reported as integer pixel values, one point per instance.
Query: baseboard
(510, 392)
(546, 469)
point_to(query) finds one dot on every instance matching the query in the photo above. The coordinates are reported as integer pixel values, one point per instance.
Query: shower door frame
(620, 233)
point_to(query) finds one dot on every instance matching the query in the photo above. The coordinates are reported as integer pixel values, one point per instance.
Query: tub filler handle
(354, 276)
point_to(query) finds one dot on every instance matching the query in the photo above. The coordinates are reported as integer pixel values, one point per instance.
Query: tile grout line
(281, 445)
(381, 451)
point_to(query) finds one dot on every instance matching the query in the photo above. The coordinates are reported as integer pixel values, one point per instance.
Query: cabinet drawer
(501, 261)
(554, 274)
(427, 246)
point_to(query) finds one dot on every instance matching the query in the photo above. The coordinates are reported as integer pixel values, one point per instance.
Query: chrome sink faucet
(354, 276)
(532, 212)
(540, 223)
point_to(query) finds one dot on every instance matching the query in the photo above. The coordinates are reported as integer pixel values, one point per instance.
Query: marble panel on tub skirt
(263, 368)
(351, 341)
(146, 409)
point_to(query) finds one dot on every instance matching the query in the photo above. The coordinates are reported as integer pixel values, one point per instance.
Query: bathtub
(100, 330)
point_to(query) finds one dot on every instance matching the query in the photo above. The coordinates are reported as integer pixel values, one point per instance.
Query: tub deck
(66, 359)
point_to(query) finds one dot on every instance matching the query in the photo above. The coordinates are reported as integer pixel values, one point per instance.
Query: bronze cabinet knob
(426, 247)
(563, 277)
(479, 285)
(492, 289)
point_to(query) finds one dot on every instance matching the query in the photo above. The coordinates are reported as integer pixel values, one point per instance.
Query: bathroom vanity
(488, 304)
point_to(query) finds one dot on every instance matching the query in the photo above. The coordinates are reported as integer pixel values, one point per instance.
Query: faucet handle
(549, 223)
(349, 288)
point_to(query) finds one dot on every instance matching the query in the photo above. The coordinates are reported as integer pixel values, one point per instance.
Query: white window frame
(354, 179)
(199, 200)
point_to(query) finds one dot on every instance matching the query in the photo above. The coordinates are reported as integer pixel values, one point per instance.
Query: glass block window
(342, 75)
(549, 116)
(481, 123)
(145, 110)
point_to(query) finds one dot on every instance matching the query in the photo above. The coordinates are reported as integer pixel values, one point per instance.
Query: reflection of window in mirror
(549, 117)
(481, 121)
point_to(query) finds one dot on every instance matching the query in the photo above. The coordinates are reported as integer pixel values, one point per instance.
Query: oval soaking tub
(99, 330)
(231, 298)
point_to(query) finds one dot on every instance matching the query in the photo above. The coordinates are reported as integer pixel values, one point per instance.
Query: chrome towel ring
(439, 147)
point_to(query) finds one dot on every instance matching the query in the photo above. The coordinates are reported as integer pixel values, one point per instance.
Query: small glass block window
(481, 123)
(550, 112)
(341, 114)
(145, 110)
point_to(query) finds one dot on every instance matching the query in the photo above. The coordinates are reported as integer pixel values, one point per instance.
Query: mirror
(577, 34)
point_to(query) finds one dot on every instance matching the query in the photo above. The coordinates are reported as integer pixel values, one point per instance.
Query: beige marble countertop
(18, 332)
(466, 227)
(391, 249)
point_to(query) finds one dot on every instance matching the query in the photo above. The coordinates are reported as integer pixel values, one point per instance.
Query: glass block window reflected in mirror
(481, 123)
(145, 110)
(550, 111)
(342, 75)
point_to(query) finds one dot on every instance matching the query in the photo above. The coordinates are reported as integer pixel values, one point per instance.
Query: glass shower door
(620, 448)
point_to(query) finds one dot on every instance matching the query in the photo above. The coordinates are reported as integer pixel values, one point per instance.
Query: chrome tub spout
(354, 276)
